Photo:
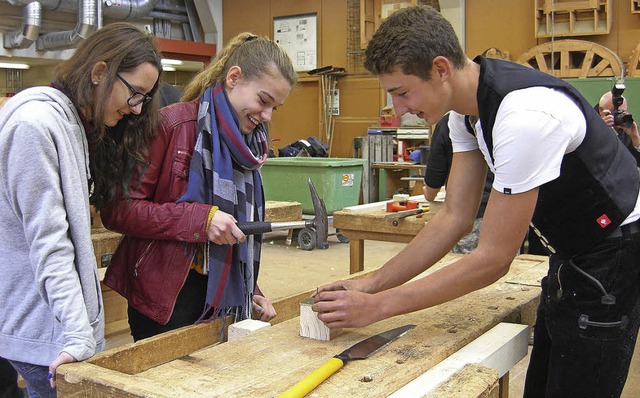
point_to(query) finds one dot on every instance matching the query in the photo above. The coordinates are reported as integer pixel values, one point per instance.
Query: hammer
(320, 223)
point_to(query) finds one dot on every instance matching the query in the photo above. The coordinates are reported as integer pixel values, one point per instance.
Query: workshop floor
(287, 270)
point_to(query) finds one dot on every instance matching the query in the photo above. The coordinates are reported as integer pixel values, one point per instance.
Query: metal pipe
(171, 8)
(87, 24)
(28, 32)
(127, 9)
(49, 5)
(169, 17)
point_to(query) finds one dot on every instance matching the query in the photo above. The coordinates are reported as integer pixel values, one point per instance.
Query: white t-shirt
(534, 128)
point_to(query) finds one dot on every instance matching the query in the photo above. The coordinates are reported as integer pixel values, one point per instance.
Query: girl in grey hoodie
(63, 148)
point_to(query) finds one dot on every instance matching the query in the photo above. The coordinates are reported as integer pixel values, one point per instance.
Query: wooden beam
(186, 50)
(500, 348)
(472, 381)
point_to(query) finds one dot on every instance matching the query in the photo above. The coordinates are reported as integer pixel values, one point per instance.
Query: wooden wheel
(634, 63)
(573, 58)
(493, 52)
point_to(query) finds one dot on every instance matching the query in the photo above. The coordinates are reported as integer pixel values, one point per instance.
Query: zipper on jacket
(142, 257)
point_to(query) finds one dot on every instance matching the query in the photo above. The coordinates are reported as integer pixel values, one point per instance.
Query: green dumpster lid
(316, 162)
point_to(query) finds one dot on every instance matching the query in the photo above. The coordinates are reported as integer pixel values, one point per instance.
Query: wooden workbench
(368, 222)
(188, 362)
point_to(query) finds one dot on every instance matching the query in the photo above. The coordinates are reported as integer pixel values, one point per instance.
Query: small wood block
(245, 327)
(312, 327)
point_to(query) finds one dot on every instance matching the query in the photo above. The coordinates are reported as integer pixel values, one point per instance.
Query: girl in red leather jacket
(182, 258)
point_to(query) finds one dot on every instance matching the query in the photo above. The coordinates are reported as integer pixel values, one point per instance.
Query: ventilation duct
(89, 18)
(28, 32)
(127, 9)
(87, 23)
(49, 5)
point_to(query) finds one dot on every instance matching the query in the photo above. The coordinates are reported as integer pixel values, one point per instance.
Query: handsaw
(361, 350)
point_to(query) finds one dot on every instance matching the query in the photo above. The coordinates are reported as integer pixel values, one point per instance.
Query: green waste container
(337, 181)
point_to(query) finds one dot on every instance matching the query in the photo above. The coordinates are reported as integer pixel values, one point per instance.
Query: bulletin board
(297, 34)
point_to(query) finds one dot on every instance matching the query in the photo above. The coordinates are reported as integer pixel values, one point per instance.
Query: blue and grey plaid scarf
(224, 172)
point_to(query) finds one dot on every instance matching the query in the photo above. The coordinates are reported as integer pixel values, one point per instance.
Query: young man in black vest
(556, 165)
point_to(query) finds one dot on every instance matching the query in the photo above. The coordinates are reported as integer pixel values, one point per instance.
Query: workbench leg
(289, 237)
(503, 389)
(382, 184)
(356, 255)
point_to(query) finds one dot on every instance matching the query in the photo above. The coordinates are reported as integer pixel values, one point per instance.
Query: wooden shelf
(572, 18)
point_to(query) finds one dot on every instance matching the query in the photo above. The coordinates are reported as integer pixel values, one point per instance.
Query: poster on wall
(297, 34)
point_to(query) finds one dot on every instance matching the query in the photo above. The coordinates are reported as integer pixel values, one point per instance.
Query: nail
(49, 376)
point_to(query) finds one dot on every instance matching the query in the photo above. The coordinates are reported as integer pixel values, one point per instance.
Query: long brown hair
(256, 56)
(115, 152)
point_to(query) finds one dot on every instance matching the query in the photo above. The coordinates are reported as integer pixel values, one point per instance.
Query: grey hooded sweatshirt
(50, 299)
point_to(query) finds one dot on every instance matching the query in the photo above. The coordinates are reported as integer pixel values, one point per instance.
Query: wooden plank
(115, 306)
(114, 328)
(270, 361)
(278, 211)
(145, 354)
(500, 348)
(472, 381)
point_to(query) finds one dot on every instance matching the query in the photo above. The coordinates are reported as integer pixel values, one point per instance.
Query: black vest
(598, 183)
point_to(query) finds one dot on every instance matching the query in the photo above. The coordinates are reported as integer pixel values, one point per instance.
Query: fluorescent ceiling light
(167, 68)
(166, 61)
(8, 65)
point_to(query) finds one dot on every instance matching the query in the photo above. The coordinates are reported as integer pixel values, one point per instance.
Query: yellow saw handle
(310, 382)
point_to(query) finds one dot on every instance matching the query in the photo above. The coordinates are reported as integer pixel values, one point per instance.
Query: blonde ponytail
(256, 56)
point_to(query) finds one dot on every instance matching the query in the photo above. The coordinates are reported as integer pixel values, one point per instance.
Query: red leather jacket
(153, 258)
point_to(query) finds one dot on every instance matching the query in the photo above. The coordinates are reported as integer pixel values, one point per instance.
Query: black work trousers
(587, 322)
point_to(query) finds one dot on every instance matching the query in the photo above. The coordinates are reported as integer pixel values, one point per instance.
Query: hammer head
(320, 221)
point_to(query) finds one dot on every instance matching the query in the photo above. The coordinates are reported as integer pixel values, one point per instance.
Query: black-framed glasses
(137, 97)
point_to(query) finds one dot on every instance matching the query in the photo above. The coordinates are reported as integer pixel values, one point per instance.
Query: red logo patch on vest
(603, 221)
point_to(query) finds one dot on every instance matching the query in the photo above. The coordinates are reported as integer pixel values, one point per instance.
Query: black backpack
(312, 145)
